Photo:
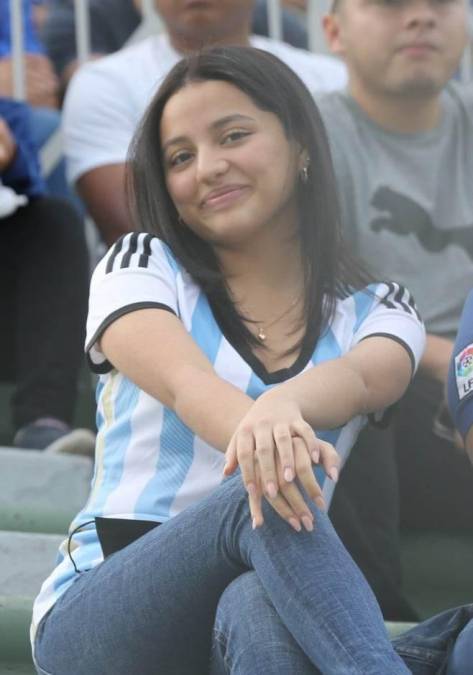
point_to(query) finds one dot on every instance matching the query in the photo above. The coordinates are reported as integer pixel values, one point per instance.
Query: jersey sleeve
(98, 123)
(389, 310)
(460, 376)
(138, 272)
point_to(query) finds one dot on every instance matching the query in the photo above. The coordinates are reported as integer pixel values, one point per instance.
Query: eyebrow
(218, 124)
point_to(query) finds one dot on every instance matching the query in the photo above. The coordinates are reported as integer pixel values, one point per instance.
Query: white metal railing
(150, 24)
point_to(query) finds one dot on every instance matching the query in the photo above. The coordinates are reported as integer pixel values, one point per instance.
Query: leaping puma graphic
(403, 216)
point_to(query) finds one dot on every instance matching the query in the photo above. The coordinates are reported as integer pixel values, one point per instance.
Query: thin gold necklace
(262, 327)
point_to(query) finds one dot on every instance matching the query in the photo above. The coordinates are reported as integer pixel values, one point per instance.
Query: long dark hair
(329, 272)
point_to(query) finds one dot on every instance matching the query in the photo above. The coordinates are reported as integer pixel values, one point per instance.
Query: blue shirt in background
(30, 37)
(24, 174)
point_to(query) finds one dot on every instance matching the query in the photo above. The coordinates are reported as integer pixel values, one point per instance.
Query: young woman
(224, 335)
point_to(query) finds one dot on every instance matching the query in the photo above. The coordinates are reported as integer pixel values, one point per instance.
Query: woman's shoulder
(378, 295)
(138, 251)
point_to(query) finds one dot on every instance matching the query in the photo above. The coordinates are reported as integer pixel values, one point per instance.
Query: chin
(421, 85)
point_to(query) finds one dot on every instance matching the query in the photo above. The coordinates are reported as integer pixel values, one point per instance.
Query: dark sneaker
(53, 440)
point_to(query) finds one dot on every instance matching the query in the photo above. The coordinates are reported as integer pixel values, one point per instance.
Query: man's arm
(103, 192)
(436, 359)
(460, 378)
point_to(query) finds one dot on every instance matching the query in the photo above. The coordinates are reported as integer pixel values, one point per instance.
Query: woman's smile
(224, 197)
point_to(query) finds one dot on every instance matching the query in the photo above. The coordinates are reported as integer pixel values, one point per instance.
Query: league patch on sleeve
(464, 372)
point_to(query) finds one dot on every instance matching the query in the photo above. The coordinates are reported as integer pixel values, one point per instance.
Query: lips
(197, 4)
(418, 47)
(223, 196)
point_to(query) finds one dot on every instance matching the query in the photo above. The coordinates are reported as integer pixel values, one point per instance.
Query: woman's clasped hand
(276, 449)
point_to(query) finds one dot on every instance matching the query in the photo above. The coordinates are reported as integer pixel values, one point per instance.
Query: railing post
(17, 44)
(81, 8)
(466, 69)
(315, 11)
(274, 19)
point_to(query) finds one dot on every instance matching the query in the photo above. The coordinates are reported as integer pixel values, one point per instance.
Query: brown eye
(179, 158)
(234, 136)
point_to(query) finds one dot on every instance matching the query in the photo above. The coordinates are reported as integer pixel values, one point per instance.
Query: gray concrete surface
(26, 559)
(39, 492)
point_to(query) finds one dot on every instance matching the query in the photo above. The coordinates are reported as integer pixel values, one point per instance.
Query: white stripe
(141, 456)
(345, 442)
(230, 366)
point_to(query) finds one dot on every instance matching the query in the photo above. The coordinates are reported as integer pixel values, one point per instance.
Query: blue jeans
(150, 608)
(440, 645)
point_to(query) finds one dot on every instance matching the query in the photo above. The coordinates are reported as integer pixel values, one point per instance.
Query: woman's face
(230, 170)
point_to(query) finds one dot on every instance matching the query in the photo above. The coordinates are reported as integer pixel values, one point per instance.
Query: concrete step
(26, 559)
(17, 669)
(41, 492)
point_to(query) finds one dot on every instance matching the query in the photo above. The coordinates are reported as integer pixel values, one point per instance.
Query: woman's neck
(263, 272)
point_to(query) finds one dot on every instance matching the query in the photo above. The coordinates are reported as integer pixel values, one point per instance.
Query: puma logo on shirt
(404, 216)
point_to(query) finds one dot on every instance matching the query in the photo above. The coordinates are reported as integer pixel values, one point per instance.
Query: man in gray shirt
(402, 144)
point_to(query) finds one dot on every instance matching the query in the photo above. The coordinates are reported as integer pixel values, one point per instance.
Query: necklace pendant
(261, 334)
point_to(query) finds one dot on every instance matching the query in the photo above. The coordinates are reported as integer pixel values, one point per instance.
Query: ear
(332, 29)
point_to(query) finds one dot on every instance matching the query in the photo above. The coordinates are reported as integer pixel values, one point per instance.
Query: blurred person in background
(43, 300)
(113, 22)
(107, 98)
(41, 84)
(402, 144)
(444, 643)
(41, 81)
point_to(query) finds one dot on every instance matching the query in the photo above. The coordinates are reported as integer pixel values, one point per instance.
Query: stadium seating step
(26, 559)
(39, 492)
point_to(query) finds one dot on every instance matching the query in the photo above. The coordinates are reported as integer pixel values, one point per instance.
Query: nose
(421, 14)
(211, 164)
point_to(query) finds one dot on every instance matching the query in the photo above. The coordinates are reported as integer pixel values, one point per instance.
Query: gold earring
(304, 174)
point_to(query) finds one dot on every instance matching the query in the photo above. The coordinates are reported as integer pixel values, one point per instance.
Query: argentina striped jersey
(148, 464)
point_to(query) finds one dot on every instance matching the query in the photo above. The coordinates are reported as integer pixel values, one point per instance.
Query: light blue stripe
(117, 439)
(327, 348)
(175, 459)
(205, 330)
(177, 440)
(364, 301)
(171, 260)
(255, 387)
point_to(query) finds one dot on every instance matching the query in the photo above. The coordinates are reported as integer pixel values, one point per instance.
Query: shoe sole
(77, 442)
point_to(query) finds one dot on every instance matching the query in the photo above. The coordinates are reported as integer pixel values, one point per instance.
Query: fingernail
(333, 473)
(320, 503)
(308, 524)
(271, 490)
(254, 524)
(315, 456)
(251, 489)
(288, 474)
(295, 524)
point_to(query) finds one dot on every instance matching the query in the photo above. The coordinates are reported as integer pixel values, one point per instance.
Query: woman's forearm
(328, 395)
(210, 406)
(370, 377)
